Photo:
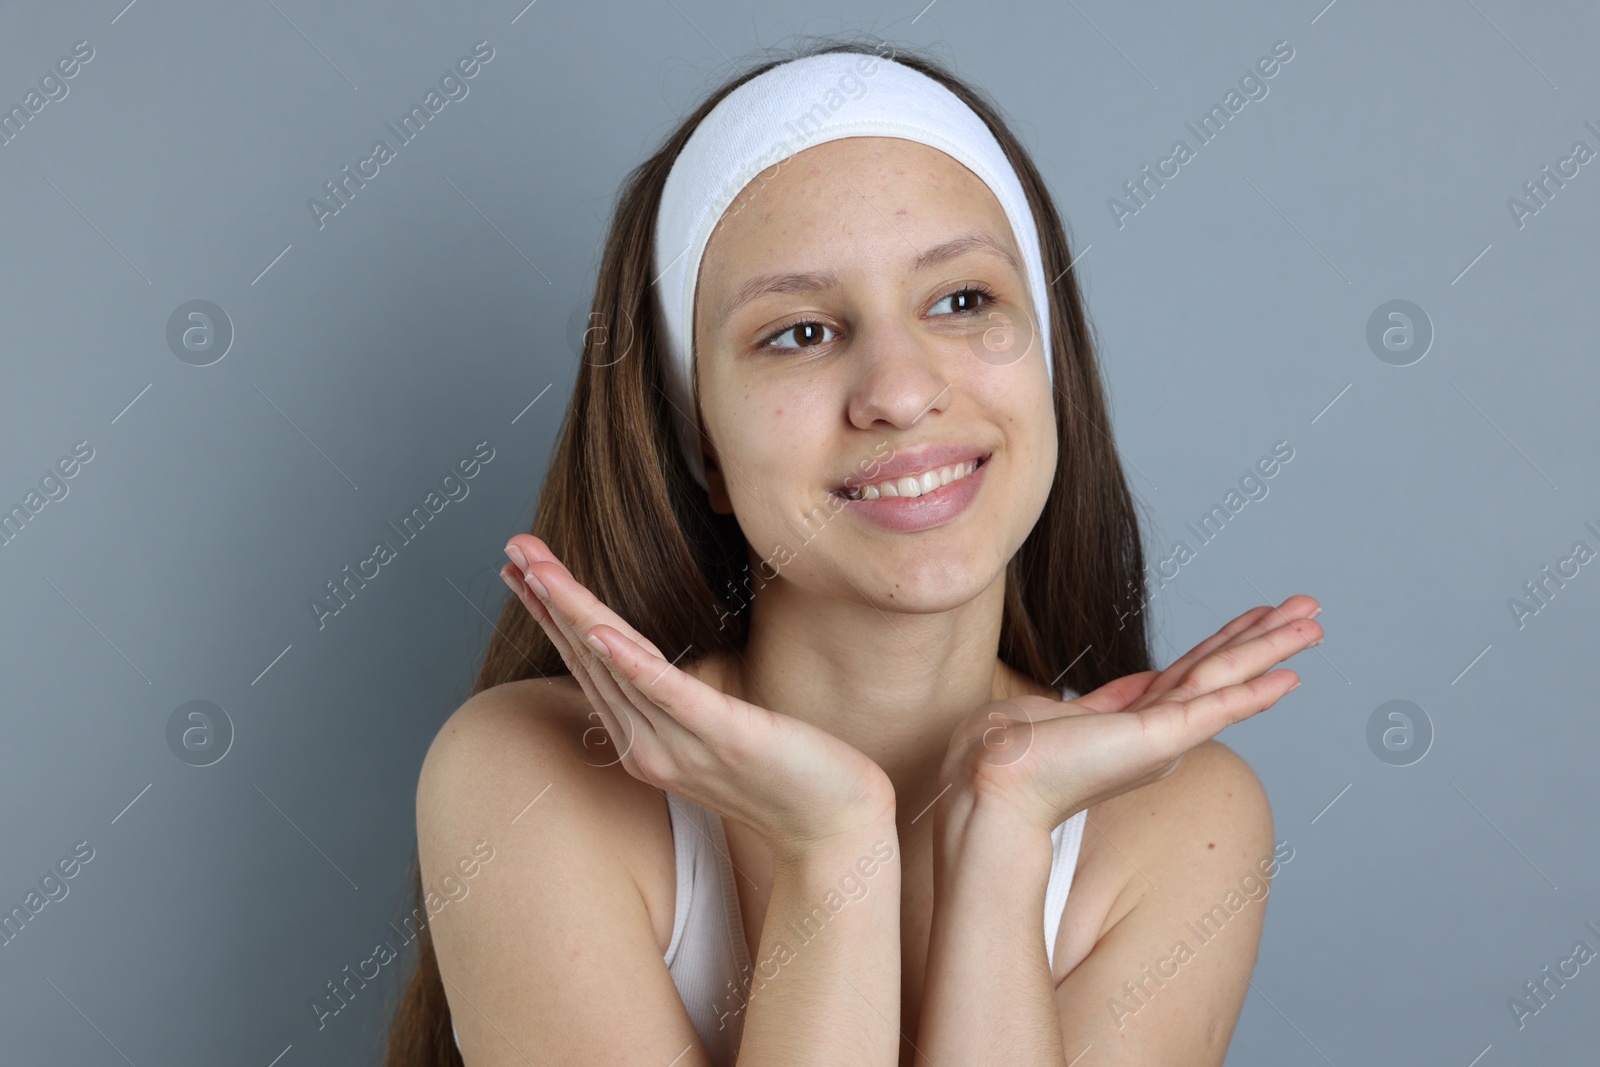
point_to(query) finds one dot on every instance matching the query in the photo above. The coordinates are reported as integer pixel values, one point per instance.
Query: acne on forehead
(758, 229)
(824, 161)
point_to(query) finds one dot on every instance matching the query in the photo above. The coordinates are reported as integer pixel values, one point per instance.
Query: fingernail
(1292, 688)
(510, 582)
(1314, 614)
(1315, 643)
(598, 645)
(538, 587)
(514, 554)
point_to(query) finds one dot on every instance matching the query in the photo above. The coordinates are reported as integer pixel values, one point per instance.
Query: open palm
(1047, 759)
(795, 785)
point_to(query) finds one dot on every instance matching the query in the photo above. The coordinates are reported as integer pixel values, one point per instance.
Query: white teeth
(926, 482)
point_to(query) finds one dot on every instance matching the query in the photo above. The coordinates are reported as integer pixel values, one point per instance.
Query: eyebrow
(979, 240)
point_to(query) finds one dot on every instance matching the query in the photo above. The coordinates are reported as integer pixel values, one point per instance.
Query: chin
(923, 579)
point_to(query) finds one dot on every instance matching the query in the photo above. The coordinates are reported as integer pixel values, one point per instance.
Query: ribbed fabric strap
(709, 967)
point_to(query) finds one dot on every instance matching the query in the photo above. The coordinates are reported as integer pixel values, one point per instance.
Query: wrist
(979, 827)
(874, 842)
(997, 776)
(835, 833)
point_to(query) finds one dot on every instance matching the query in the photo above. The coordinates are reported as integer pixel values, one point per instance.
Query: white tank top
(707, 956)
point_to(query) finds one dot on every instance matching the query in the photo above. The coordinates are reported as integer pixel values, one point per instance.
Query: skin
(861, 710)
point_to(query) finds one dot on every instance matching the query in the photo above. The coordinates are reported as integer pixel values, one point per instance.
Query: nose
(899, 381)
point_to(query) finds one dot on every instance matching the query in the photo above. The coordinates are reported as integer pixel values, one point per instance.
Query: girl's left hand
(1043, 760)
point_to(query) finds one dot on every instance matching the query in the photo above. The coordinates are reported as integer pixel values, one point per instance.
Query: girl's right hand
(793, 784)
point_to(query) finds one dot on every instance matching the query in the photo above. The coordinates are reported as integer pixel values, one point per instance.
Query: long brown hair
(620, 509)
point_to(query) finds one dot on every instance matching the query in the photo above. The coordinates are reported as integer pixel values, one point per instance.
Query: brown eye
(807, 334)
(968, 300)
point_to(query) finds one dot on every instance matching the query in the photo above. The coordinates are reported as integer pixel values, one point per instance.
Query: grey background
(429, 313)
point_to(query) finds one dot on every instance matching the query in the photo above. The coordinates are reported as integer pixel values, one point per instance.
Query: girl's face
(859, 303)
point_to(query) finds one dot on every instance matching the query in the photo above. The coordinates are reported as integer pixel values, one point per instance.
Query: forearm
(825, 981)
(988, 997)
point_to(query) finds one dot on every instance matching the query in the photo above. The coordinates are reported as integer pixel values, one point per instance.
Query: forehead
(867, 189)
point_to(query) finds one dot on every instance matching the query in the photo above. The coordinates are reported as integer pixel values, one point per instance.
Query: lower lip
(908, 514)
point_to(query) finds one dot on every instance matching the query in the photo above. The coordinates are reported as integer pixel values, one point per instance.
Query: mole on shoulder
(1211, 844)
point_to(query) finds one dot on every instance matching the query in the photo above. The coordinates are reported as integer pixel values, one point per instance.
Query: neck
(893, 685)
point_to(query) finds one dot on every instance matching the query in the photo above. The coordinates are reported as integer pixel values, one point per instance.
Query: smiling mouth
(912, 486)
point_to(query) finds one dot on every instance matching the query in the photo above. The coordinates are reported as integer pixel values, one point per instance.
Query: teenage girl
(826, 674)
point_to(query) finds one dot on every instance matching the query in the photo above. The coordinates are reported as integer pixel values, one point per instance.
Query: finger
(622, 727)
(1246, 627)
(586, 668)
(566, 602)
(1117, 694)
(587, 608)
(669, 741)
(1180, 666)
(541, 614)
(1295, 608)
(636, 673)
(519, 588)
(684, 699)
(1238, 663)
(1176, 726)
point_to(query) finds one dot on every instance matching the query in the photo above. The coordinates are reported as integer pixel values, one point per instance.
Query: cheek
(1025, 417)
(1037, 436)
(781, 456)
(778, 484)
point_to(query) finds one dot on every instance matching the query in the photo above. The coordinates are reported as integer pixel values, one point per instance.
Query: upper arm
(547, 950)
(1165, 984)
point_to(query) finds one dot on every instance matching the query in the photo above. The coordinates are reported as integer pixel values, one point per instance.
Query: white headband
(794, 106)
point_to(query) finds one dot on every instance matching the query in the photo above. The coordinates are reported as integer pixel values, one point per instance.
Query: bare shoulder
(527, 766)
(1182, 870)
(537, 711)
(501, 742)
(1206, 823)
(542, 866)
